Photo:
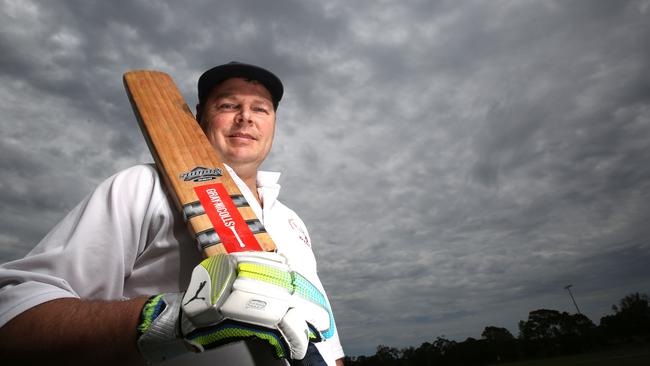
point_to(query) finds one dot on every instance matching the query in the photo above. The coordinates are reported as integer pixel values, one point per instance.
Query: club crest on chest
(300, 232)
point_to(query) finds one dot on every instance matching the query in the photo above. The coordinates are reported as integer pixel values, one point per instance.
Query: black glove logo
(196, 296)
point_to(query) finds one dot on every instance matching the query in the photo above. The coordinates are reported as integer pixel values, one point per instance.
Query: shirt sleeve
(89, 253)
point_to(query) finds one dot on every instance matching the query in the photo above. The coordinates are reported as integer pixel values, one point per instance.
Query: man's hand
(234, 297)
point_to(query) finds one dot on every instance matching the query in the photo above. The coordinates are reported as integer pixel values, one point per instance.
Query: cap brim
(217, 74)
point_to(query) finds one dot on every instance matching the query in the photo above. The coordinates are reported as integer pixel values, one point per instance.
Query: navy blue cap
(234, 69)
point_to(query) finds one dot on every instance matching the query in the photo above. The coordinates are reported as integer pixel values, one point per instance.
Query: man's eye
(261, 109)
(227, 106)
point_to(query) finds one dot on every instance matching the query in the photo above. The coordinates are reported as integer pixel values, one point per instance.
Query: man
(80, 295)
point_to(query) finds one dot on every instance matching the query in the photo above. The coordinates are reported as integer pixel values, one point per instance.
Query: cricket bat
(217, 214)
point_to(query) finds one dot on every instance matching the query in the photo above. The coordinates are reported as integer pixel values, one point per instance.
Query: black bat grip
(312, 358)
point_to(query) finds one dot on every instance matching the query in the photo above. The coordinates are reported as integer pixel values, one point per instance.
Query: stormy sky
(457, 162)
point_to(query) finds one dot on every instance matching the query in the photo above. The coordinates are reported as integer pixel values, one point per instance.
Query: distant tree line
(546, 333)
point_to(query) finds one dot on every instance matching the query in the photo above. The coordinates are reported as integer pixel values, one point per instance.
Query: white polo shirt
(125, 240)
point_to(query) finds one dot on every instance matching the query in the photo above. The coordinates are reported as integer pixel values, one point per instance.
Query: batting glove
(234, 297)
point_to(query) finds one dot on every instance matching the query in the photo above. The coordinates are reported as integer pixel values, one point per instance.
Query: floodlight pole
(568, 288)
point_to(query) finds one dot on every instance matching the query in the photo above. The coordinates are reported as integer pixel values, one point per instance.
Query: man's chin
(239, 160)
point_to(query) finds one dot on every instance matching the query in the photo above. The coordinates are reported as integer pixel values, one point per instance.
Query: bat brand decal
(228, 223)
(201, 174)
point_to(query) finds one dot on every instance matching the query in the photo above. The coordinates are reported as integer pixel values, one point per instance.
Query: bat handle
(312, 358)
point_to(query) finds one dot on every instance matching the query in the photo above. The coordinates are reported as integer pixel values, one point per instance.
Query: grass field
(638, 356)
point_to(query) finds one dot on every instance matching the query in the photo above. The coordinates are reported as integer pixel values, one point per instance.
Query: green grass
(638, 356)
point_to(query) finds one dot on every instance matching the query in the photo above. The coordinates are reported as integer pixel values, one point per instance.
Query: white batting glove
(234, 297)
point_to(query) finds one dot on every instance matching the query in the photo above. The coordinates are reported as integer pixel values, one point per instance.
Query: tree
(469, 352)
(435, 353)
(549, 332)
(577, 333)
(386, 355)
(497, 334)
(501, 344)
(631, 318)
(419, 356)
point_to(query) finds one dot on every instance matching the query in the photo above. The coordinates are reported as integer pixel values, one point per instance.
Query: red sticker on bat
(226, 219)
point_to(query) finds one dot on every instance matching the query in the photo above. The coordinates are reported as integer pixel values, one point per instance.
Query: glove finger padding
(272, 268)
(313, 304)
(295, 331)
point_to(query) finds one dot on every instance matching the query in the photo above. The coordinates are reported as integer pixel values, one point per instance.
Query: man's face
(239, 120)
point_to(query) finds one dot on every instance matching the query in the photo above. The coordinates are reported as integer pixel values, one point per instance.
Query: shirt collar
(267, 188)
(266, 179)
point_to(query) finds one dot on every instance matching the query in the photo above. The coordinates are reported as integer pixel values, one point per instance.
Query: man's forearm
(72, 331)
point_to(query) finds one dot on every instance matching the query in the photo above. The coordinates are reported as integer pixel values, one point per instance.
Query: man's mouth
(241, 135)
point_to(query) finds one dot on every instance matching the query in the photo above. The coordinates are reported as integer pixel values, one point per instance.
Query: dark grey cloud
(457, 163)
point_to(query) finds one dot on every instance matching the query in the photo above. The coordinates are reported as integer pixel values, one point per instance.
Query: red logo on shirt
(302, 235)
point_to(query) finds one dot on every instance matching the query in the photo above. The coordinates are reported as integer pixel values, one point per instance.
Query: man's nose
(245, 114)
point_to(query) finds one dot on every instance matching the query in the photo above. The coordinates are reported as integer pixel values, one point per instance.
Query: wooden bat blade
(217, 213)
